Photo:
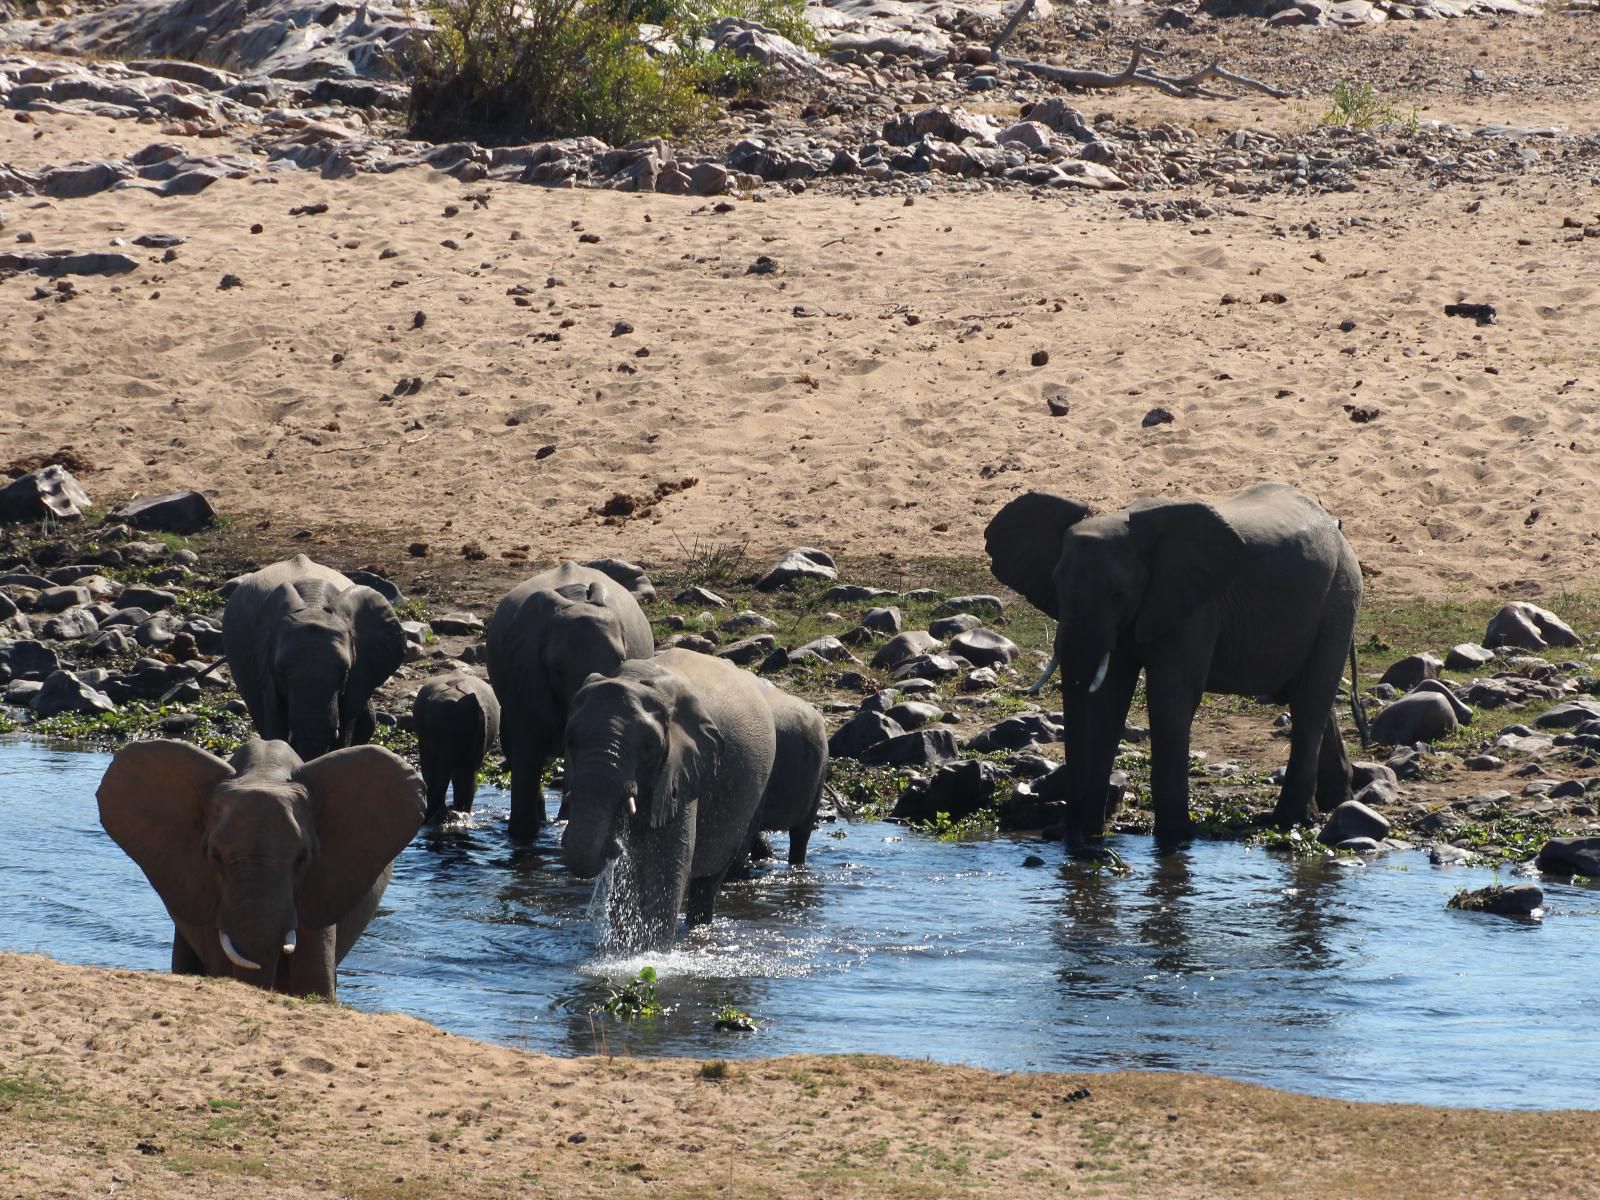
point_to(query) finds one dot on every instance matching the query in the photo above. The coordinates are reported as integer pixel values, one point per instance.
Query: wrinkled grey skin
(262, 847)
(1255, 595)
(794, 791)
(307, 649)
(670, 756)
(547, 635)
(457, 719)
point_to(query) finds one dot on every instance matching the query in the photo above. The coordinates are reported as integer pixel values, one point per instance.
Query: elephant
(457, 719)
(547, 635)
(794, 790)
(1252, 595)
(270, 867)
(307, 648)
(667, 762)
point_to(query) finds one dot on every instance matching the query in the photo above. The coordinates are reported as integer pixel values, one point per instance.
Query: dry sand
(874, 393)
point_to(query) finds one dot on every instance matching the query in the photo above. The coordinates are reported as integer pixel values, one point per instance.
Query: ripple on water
(1341, 979)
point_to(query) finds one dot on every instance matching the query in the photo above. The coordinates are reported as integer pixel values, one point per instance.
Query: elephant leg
(436, 780)
(1296, 798)
(184, 960)
(702, 899)
(366, 724)
(527, 792)
(312, 970)
(1333, 768)
(799, 838)
(1173, 700)
(464, 787)
(660, 860)
(1093, 733)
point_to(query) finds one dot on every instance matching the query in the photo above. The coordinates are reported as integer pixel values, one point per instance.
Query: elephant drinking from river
(1254, 595)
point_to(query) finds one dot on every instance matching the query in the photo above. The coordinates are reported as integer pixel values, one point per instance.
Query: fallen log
(1185, 87)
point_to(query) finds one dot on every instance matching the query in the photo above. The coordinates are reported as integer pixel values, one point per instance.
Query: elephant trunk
(313, 726)
(600, 797)
(256, 925)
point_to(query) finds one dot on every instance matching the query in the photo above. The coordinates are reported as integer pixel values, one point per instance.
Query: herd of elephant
(273, 862)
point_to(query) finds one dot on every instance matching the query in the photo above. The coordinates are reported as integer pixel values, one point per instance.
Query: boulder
(852, 593)
(1516, 900)
(747, 650)
(1528, 627)
(699, 597)
(828, 649)
(50, 492)
(69, 626)
(1014, 733)
(1569, 715)
(942, 123)
(988, 605)
(1468, 656)
(861, 732)
(1570, 856)
(65, 692)
(28, 659)
(914, 714)
(804, 562)
(882, 620)
(1458, 706)
(903, 648)
(59, 599)
(1409, 672)
(984, 648)
(931, 667)
(182, 512)
(1415, 717)
(944, 628)
(152, 600)
(1352, 819)
(925, 748)
(459, 624)
(957, 790)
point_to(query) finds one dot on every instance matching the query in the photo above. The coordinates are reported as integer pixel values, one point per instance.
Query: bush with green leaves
(514, 70)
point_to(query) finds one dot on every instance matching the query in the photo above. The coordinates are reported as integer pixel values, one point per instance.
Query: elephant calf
(457, 719)
(1254, 595)
(269, 867)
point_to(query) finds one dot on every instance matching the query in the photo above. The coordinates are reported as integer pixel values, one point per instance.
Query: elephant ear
(691, 762)
(153, 804)
(378, 645)
(1191, 553)
(368, 803)
(1024, 543)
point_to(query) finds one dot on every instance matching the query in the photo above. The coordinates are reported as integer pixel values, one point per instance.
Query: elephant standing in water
(457, 719)
(794, 791)
(270, 867)
(668, 760)
(547, 635)
(307, 648)
(1254, 595)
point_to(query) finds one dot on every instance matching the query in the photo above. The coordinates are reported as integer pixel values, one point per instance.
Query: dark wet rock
(801, 563)
(27, 659)
(1569, 715)
(1360, 845)
(1444, 855)
(1528, 627)
(862, 732)
(1033, 860)
(1410, 671)
(903, 648)
(882, 620)
(748, 651)
(50, 492)
(944, 628)
(1353, 819)
(1468, 656)
(628, 574)
(984, 648)
(988, 605)
(924, 748)
(69, 626)
(957, 790)
(853, 593)
(182, 512)
(1515, 900)
(1015, 733)
(931, 667)
(64, 692)
(1416, 717)
(1570, 856)
(699, 597)
(458, 624)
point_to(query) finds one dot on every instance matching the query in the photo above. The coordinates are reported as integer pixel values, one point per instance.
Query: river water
(1326, 977)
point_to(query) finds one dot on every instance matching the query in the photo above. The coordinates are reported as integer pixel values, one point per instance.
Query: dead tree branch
(1134, 75)
(1017, 18)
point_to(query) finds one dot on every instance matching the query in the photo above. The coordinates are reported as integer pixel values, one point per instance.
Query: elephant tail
(1356, 710)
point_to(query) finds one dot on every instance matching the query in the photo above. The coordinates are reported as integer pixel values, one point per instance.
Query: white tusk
(1100, 674)
(234, 956)
(1049, 670)
(289, 942)
(633, 808)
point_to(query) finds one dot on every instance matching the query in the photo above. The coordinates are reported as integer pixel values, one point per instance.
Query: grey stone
(1015, 733)
(59, 599)
(19, 693)
(1457, 705)
(924, 748)
(1363, 773)
(1468, 656)
(747, 650)
(1516, 900)
(948, 627)
(1353, 819)
(182, 512)
(1380, 791)
(1528, 627)
(957, 790)
(903, 648)
(852, 593)
(69, 626)
(1445, 855)
(980, 680)
(863, 731)
(828, 649)
(83, 179)
(931, 667)
(1409, 672)
(989, 605)
(152, 600)
(914, 714)
(1570, 856)
(984, 648)
(1416, 717)
(1569, 715)
(1360, 845)
(882, 620)
(28, 659)
(700, 597)
(739, 622)
(458, 624)
(48, 492)
(879, 701)
(801, 563)
(65, 692)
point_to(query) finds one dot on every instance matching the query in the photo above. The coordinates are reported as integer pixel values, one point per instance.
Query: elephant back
(524, 614)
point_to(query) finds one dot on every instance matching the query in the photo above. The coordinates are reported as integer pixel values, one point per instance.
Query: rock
(19, 693)
(1380, 791)
(1015, 733)
(1352, 819)
(50, 492)
(980, 680)
(65, 692)
(914, 714)
(459, 624)
(709, 179)
(53, 264)
(1439, 687)
(182, 512)
(627, 574)
(747, 650)
(863, 731)
(1409, 672)
(59, 599)
(828, 649)
(699, 597)
(957, 790)
(1569, 715)
(882, 620)
(1468, 656)
(1057, 115)
(1517, 900)
(1528, 627)
(71, 625)
(925, 748)
(949, 627)
(27, 659)
(941, 123)
(1444, 855)
(1363, 773)
(984, 648)
(1360, 845)
(1031, 135)
(801, 563)
(1417, 717)
(1157, 416)
(151, 600)
(1483, 762)
(852, 593)
(75, 180)
(747, 620)
(989, 605)
(1570, 856)
(903, 648)
(930, 667)
(880, 701)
